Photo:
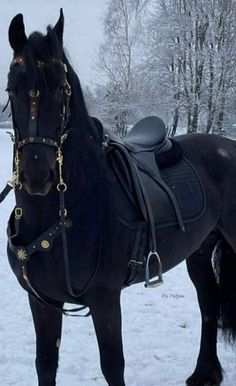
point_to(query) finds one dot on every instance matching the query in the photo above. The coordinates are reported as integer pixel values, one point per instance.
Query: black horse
(74, 228)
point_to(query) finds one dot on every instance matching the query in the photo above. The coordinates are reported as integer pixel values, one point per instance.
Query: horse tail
(225, 259)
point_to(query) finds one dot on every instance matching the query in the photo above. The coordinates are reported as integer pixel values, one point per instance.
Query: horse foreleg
(106, 314)
(48, 324)
(208, 370)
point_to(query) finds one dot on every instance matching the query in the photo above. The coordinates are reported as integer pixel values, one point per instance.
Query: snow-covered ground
(161, 327)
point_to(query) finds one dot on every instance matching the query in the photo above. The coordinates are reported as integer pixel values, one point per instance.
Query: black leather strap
(65, 311)
(43, 243)
(34, 103)
(66, 256)
(5, 191)
(151, 221)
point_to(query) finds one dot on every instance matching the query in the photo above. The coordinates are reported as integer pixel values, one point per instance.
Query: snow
(161, 327)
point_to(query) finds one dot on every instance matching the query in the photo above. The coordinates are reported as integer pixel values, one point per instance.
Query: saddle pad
(170, 189)
(185, 183)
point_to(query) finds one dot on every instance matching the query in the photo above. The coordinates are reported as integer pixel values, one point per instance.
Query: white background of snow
(161, 334)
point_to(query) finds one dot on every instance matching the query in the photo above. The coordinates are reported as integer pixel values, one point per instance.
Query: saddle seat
(147, 135)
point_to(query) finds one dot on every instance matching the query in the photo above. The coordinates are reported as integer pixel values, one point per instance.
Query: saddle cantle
(158, 179)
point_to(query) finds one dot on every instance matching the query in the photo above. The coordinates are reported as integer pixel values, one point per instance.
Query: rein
(44, 242)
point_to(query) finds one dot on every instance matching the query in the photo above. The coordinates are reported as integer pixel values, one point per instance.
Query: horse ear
(59, 27)
(16, 33)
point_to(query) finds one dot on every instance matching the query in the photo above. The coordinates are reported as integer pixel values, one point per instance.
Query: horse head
(39, 93)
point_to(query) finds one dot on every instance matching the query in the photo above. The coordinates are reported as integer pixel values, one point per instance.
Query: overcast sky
(83, 30)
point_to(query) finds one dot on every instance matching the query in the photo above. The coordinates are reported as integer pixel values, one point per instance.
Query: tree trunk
(175, 122)
(194, 125)
(211, 110)
(189, 131)
(219, 126)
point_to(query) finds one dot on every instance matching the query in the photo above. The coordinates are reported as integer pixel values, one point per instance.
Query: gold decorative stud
(45, 244)
(21, 254)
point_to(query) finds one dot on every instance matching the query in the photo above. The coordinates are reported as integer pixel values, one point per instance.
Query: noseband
(33, 137)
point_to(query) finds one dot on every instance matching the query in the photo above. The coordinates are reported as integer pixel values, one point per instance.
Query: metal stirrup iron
(156, 281)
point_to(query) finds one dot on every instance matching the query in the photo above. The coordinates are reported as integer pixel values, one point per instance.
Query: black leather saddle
(134, 158)
(149, 134)
(156, 187)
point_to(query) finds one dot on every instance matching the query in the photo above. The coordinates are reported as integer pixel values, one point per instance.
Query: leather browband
(40, 140)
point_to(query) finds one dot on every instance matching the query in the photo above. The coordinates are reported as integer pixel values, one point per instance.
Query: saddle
(158, 180)
(148, 135)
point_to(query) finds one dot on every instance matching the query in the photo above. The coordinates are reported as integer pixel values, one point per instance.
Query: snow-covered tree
(191, 55)
(117, 59)
(172, 58)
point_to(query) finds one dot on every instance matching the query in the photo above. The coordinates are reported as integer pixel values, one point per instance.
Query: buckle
(34, 93)
(65, 212)
(18, 213)
(135, 263)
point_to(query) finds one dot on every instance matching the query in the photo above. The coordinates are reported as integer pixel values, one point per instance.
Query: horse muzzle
(39, 183)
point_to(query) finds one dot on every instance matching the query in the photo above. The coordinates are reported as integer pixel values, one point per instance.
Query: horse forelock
(45, 47)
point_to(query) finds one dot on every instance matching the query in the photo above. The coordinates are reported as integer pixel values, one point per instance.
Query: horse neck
(85, 173)
(84, 157)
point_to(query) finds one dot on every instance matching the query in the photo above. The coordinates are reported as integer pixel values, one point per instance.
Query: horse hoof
(197, 380)
(206, 376)
(199, 383)
(196, 383)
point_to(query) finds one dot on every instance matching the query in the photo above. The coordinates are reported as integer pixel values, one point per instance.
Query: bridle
(44, 242)
(33, 138)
